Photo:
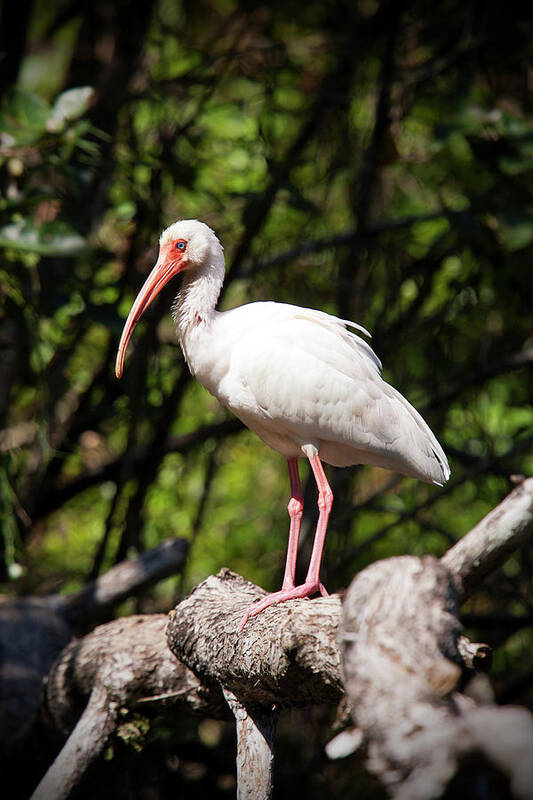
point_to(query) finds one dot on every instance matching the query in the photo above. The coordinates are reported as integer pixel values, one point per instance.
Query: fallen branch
(119, 667)
(34, 630)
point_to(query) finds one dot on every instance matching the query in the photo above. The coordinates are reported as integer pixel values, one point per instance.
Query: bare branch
(128, 656)
(126, 579)
(472, 377)
(478, 467)
(337, 240)
(84, 745)
(123, 664)
(395, 647)
(110, 471)
(493, 539)
(34, 630)
(255, 750)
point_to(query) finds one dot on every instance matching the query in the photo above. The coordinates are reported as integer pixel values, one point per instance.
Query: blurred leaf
(133, 731)
(24, 116)
(49, 239)
(516, 230)
(69, 106)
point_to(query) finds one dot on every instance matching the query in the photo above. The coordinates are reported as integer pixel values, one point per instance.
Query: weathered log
(401, 657)
(121, 665)
(34, 630)
(285, 656)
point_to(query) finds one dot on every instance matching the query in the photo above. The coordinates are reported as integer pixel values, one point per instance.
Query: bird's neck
(196, 301)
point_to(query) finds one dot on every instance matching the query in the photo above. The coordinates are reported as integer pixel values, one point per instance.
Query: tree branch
(478, 467)
(34, 630)
(401, 660)
(255, 750)
(126, 579)
(286, 656)
(492, 540)
(394, 647)
(83, 746)
(111, 470)
(121, 665)
(338, 240)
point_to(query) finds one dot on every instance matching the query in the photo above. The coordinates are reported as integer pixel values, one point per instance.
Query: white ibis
(299, 378)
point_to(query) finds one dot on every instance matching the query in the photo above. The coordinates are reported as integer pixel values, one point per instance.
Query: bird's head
(185, 245)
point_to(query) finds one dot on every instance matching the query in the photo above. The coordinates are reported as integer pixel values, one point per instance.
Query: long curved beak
(164, 270)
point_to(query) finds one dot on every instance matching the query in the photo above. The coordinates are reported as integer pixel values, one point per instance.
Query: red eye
(181, 244)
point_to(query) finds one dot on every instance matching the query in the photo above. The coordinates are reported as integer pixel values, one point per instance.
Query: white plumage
(301, 379)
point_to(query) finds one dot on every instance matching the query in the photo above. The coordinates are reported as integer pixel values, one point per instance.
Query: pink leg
(312, 582)
(295, 509)
(325, 501)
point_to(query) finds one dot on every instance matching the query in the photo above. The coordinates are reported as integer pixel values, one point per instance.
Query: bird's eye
(181, 245)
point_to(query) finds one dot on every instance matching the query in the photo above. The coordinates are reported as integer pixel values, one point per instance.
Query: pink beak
(168, 264)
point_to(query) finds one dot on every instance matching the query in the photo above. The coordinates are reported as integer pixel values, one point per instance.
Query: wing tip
(444, 467)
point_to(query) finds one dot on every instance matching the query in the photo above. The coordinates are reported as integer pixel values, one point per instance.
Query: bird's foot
(296, 592)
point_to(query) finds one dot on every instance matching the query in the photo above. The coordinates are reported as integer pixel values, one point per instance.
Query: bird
(304, 381)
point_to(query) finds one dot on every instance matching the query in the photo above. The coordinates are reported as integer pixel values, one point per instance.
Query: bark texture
(255, 750)
(119, 667)
(128, 658)
(402, 658)
(83, 746)
(285, 656)
(34, 630)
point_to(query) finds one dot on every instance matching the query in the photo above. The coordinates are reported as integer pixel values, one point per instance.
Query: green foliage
(133, 730)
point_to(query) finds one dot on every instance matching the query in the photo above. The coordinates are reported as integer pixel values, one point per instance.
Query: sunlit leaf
(69, 106)
(49, 239)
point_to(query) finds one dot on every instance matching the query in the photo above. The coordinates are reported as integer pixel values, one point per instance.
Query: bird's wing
(304, 370)
(315, 381)
(339, 327)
